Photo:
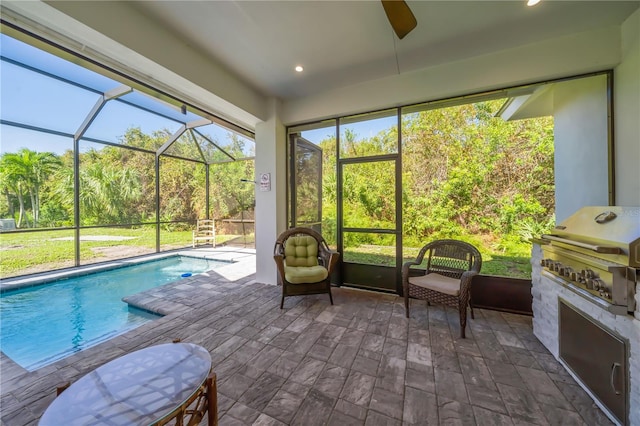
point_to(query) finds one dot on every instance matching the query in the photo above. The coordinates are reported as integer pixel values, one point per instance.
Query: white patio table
(151, 386)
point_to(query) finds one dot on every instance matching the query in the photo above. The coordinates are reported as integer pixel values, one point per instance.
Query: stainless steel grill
(596, 253)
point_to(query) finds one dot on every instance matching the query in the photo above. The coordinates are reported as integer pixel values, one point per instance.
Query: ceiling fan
(400, 17)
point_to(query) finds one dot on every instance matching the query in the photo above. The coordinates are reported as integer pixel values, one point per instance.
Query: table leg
(212, 400)
(62, 388)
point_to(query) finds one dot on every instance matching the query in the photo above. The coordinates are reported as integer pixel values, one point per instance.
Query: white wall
(627, 115)
(271, 206)
(581, 154)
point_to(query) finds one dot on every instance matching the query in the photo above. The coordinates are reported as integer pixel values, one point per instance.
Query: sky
(363, 129)
(38, 100)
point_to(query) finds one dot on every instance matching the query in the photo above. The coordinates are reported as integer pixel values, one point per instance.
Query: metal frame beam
(106, 97)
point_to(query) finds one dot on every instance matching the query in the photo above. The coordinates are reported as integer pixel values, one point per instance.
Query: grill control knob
(589, 283)
(575, 276)
(588, 273)
(561, 270)
(568, 271)
(598, 284)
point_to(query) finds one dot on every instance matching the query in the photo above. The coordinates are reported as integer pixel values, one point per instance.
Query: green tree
(13, 178)
(25, 172)
(107, 193)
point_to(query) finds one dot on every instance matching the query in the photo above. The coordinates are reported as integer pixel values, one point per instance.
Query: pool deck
(358, 362)
(235, 256)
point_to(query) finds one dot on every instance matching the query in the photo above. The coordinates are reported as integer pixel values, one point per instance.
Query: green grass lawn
(492, 263)
(23, 253)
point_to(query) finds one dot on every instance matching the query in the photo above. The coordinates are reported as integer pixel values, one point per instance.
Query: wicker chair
(304, 262)
(450, 268)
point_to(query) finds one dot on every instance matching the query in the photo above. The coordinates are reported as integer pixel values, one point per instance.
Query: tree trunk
(32, 195)
(36, 206)
(12, 211)
(21, 203)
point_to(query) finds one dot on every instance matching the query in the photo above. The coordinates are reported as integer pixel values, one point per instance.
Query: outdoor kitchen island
(586, 304)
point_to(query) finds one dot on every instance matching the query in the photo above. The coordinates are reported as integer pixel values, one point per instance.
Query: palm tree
(26, 171)
(14, 180)
(108, 193)
(43, 165)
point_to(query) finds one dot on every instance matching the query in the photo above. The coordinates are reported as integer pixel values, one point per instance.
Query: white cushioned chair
(304, 262)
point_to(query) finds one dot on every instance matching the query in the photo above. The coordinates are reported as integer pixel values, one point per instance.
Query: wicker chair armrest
(279, 259)
(333, 257)
(405, 275)
(278, 248)
(407, 266)
(466, 278)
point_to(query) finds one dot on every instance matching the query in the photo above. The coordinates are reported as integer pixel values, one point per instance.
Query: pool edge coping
(17, 283)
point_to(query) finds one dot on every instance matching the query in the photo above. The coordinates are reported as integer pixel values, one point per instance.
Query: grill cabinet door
(596, 356)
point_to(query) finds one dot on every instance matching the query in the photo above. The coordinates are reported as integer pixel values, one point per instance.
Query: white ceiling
(341, 43)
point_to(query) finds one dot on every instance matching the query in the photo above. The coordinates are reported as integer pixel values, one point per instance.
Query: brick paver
(358, 362)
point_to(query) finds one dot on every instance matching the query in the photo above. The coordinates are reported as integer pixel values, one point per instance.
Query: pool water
(45, 323)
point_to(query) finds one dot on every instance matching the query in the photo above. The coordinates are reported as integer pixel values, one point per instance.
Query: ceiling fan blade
(400, 17)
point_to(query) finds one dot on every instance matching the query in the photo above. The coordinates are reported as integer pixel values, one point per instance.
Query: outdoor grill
(586, 304)
(596, 253)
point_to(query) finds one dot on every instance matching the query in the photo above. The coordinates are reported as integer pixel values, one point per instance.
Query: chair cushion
(437, 282)
(301, 251)
(305, 274)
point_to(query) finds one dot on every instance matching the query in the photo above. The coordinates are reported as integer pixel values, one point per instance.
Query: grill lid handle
(594, 248)
(605, 217)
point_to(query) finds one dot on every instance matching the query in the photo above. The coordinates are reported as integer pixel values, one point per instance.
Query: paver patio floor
(358, 362)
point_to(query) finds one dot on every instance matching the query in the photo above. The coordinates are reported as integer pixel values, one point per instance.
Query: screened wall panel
(32, 57)
(312, 177)
(117, 119)
(370, 248)
(42, 101)
(36, 169)
(308, 163)
(232, 194)
(368, 200)
(116, 185)
(176, 235)
(182, 190)
(34, 252)
(469, 174)
(14, 138)
(236, 145)
(369, 134)
(110, 243)
(114, 198)
(185, 147)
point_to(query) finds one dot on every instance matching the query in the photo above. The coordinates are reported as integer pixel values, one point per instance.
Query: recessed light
(532, 2)
(299, 68)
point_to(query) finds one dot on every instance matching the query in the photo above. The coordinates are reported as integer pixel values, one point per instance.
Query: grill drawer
(598, 357)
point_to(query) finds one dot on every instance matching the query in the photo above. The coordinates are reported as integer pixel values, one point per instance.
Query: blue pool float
(186, 274)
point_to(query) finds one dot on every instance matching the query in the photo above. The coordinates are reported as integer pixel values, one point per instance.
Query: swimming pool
(45, 323)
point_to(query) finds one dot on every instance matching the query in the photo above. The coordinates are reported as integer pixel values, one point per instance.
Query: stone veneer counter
(546, 292)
